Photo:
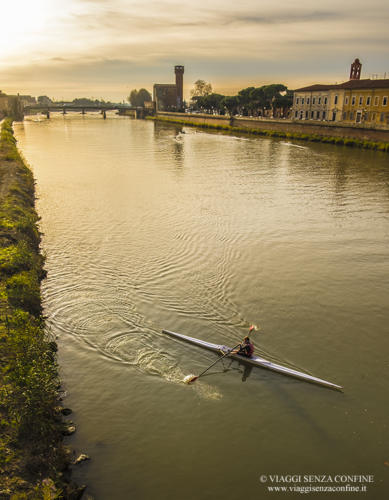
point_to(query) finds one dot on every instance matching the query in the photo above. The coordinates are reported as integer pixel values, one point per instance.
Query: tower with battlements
(170, 96)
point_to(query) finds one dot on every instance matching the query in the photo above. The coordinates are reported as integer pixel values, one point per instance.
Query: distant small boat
(254, 360)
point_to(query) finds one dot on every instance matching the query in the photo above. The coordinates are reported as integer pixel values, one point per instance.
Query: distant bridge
(136, 112)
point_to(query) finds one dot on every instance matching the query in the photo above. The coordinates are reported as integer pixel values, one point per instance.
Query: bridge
(135, 112)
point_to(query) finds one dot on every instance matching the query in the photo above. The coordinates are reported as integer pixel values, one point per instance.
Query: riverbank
(342, 136)
(33, 460)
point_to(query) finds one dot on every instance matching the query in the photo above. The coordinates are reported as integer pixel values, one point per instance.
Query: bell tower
(355, 72)
(179, 71)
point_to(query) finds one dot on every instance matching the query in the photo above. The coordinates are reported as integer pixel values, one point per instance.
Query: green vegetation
(275, 99)
(342, 141)
(200, 89)
(139, 97)
(31, 452)
(44, 100)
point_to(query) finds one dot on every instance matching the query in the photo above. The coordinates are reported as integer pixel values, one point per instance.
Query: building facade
(3, 103)
(366, 102)
(170, 96)
(316, 102)
(165, 97)
(355, 102)
(27, 100)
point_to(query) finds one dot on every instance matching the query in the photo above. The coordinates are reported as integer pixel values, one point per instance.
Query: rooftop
(164, 85)
(366, 84)
(317, 87)
(351, 84)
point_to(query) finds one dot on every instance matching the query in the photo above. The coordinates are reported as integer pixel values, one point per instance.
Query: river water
(150, 226)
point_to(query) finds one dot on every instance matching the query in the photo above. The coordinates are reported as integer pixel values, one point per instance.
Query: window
(336, 100)
(353, 101)
(346, 100)
(297, 100)
(324, 115)
(373, 117)
(317, 115)
(344, 116)
(385, 101)
(376, 100)
(301, 115)
(312, 112)
(351, 115)
(307, 100)
(306, 115)
(360, 100)
(325, 100)
(296, 114)
(368, 101)
(313, 100)
(302, 100)
(319, 100)
(382, 117)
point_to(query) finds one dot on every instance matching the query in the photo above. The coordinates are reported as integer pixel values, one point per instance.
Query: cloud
(94, 42)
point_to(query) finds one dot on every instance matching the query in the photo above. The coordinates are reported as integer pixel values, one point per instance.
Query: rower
(246, 348)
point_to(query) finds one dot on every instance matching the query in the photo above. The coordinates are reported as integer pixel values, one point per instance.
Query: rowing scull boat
(254, 360)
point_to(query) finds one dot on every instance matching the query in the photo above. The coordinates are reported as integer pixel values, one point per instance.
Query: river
(150, 226)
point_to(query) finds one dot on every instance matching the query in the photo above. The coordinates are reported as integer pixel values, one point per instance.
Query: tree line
(275, 99)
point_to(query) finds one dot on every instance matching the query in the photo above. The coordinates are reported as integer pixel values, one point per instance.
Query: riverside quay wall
(326, 129)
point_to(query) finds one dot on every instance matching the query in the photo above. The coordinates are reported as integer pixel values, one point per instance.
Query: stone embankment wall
(286, 126)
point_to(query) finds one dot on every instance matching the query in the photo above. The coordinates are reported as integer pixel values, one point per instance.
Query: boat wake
(127, 343)
(159, 364)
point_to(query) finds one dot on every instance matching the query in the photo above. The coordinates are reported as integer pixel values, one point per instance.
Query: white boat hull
(254, 360)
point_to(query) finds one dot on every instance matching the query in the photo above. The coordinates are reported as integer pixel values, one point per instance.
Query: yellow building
(361, 103)
(356, 102)
(366, 102)
(318, 103)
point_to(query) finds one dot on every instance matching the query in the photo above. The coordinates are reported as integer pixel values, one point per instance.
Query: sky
(106, 48)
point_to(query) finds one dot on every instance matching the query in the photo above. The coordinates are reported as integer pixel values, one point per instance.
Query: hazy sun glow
(23, 24)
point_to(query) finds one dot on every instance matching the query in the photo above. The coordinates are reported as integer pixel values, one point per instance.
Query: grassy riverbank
(340, 141)
(32, 456)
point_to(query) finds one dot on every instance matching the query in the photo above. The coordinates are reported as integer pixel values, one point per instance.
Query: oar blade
(190, 378)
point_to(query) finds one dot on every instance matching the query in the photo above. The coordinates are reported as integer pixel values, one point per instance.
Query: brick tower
(179, 71)
(355, 72)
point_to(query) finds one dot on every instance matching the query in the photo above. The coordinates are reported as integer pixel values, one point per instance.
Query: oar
(191, 378)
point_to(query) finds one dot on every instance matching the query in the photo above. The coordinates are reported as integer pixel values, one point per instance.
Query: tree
(283, 103)
(201, 88)
(214, 102)
(138, 98)
(209, 103)
(245, 100)
(43, 99)
(271, 93)
(84, 101)
(231, 102)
